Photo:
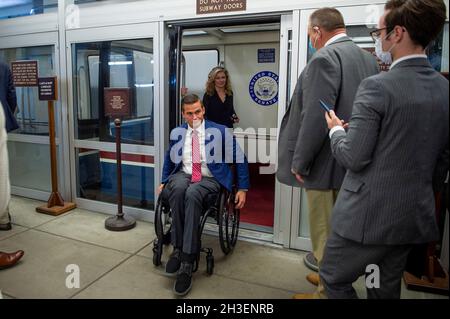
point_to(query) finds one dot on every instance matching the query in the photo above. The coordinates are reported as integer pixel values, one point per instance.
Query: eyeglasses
(375, 34)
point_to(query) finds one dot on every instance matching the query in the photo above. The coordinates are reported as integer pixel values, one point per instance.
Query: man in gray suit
(304, 155)
(396, 153)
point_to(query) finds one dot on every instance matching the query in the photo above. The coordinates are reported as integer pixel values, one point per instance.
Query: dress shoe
(173, 265)
(305, 296)
(6, 226)
(183, 284)
(313, 278)
(8, 260)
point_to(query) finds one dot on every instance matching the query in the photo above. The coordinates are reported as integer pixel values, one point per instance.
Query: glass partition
(29, 165)
(97, 66)
(438, 51)
(32, 114)
(113, 64)
(97, 178)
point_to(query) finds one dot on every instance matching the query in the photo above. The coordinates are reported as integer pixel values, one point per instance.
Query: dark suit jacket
(8, 97)
(396, 153)
(333, 75)
(221, 150)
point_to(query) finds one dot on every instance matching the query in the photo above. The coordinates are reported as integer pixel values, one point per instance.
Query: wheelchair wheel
(163, 222)
(228, 217)
(163, 225)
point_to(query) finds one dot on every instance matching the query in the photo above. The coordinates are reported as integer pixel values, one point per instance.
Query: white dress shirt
(187, 151)
(335, 38)
(408, 57)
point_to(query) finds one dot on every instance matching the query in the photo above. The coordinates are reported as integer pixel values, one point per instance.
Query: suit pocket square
(352, 185)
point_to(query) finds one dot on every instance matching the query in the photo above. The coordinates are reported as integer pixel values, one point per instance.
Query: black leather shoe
(184, 279)
(6, 226)
(174, 262)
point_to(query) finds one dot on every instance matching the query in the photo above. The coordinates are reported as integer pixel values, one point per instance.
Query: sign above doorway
(217, 6)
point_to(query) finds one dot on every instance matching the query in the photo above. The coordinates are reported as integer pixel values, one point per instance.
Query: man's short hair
(424, 19)
(329, 19)
(190, 99)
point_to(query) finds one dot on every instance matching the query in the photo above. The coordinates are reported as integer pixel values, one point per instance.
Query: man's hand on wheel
(240, 199)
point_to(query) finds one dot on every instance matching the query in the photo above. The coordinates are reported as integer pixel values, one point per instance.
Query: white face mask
(385, 57)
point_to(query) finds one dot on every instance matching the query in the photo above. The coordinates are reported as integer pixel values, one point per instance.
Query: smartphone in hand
(325, 107)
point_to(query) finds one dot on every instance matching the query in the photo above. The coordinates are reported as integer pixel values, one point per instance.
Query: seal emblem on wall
(263, 88)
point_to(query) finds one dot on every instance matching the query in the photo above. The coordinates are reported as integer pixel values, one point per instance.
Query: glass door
(360, 20)
(101, 59)
(288, 78)
(28, 146)
(252, 51)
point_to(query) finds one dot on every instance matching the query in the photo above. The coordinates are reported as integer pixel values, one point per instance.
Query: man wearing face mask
(195, 165)
(396, 153)
(332, 75)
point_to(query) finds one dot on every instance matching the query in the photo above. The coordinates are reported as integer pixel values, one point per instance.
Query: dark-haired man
(197, 164)
(333, 75)
(396, 153)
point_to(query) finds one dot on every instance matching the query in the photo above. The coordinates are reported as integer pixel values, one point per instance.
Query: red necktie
(196, 161)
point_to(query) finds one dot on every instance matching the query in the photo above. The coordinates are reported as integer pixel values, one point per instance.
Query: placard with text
(47, 89)
(117, 102)
(217, 6)
(25, 73)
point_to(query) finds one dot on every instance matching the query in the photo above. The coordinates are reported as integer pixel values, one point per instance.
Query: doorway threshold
(248, 235)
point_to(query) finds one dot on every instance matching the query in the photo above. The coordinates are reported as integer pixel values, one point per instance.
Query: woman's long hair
(210, 87)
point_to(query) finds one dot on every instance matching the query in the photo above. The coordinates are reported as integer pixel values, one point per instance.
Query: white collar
(408, 57)
(335, 38)
(200, 129)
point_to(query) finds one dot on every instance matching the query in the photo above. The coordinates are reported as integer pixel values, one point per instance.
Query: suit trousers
(344, 261)
(186, 203)
(4, 216)
(320, 206)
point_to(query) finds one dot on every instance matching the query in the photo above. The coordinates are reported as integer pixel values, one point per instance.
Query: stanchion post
(119, 222)
(55, 205)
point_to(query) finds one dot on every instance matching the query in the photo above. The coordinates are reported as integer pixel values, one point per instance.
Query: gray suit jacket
(397, 154)
(333, 75)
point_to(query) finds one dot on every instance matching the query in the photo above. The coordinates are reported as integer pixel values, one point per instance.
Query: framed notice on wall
(25, 73)
(117, 102)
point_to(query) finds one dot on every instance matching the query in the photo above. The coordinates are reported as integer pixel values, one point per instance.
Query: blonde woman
(218, 99)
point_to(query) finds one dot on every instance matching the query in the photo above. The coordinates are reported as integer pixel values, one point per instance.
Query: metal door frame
(50, 38)
(116, 33)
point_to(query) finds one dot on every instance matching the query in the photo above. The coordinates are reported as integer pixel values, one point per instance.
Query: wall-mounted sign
(216, 6)
(25, 73)
(117, 102)
(263, 88)
(47, 88)
(266, 55)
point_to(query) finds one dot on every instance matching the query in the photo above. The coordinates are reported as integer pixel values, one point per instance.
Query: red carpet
(259, 208)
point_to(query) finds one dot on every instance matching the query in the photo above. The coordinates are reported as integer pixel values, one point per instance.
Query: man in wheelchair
(196, 164)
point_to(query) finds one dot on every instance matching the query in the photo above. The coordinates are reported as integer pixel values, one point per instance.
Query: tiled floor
(119, 264)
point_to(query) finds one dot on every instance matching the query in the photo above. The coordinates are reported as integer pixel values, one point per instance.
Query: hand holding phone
(325, 107)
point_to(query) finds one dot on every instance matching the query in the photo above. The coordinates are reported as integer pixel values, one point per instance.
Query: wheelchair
(220, 206)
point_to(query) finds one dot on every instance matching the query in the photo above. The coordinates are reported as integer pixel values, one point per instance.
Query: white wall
(242, 63)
